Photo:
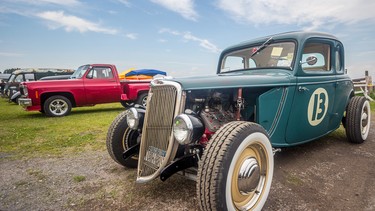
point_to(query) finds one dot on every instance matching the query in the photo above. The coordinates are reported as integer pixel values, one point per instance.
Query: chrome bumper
(25, 102)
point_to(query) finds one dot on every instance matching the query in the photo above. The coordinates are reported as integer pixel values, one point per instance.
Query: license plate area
(154, 157)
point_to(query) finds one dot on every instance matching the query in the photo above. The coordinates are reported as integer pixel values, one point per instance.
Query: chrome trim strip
(279, 111)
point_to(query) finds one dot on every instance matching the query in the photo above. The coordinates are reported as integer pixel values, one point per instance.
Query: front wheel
(120, 138)
(57, 106)
(236, 169)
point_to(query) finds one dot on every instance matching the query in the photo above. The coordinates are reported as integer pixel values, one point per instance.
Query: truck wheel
(236, 168)
(358, 119)
(120, 138)
(142, 99)
(57, 106)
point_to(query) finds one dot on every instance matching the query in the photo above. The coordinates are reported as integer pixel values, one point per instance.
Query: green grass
(32, 134)
(372, 104)
(79, 178)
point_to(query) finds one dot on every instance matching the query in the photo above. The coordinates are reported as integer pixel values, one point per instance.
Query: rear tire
(358, 119)
(236, 169)
(120, 138)
(57, 106)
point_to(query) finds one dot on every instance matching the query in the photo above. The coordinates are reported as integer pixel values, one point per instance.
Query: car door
(312, 108)
(101, 86)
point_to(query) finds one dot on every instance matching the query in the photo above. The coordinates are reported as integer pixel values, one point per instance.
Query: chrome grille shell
(165, 101)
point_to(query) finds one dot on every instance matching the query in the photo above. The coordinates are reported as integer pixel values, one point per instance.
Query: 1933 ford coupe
(222, 130)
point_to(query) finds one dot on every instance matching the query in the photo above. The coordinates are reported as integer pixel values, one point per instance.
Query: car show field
(327, 174)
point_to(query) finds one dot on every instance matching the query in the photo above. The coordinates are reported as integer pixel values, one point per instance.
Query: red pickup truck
(89, 85)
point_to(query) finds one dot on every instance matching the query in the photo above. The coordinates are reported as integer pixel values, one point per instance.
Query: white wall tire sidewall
(365, 104)
(252, 138)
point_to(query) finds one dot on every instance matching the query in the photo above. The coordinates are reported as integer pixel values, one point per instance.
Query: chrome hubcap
(249, 176)
(144, 101)
(58, 107)
(364, 120)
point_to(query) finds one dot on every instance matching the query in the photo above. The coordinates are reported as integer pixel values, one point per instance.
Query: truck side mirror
(311, 60)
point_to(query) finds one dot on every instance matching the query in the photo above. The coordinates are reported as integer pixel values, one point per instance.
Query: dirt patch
(328, 174)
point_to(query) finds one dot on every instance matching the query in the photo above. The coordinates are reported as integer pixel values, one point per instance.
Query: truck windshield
(80, 71)
(11, 78)
(274, 55)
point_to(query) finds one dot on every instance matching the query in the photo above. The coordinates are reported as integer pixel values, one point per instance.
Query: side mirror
(89, 76)
(311, 60)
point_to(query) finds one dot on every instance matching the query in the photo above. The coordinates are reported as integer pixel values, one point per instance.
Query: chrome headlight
(25, 91)
(132, 118)
(135, 117)
(187, 128)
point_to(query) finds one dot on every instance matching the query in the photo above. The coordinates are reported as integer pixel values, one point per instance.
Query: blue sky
(182, 37)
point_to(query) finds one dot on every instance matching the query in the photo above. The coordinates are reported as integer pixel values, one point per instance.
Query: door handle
(302, 89)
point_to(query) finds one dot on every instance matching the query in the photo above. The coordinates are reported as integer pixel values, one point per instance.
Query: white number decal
(318, 106)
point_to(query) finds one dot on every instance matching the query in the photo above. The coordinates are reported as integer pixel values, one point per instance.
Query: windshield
(80, 71)
(11, 78)
(275, 55)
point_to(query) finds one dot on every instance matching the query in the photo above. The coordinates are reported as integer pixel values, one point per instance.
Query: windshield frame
(80, 72)
(255, 46)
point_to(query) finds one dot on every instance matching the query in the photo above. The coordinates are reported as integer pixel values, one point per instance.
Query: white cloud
(125, 2)
(132, 36)
(187, 36)
(57, 19)
(184, 7)
(169, 31)
(308, 14)
(202, 42)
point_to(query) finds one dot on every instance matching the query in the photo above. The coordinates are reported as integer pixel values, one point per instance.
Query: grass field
(33, 134)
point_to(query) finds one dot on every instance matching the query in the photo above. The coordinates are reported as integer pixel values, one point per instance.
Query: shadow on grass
(74, 112)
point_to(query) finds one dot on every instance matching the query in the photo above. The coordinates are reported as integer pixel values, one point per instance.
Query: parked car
(11, 88)
(3, 80)
(222, 130)
(89, 85)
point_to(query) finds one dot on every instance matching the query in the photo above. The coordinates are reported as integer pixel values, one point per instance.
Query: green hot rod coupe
(223, 130)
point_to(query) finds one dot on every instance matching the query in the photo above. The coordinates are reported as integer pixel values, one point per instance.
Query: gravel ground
(328, 174)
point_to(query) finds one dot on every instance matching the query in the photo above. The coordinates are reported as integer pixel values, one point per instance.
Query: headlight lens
(183, 129)
(25, 91)
(132, 118)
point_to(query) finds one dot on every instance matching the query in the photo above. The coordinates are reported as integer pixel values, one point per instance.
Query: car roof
(41, 70)
(300, 36)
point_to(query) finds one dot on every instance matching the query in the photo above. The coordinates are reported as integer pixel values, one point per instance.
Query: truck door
(101, 86)
(314, 95)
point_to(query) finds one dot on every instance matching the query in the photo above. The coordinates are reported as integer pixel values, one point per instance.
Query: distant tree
(9, 71)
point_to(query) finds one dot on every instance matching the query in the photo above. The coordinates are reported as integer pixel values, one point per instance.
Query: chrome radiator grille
(157, 130)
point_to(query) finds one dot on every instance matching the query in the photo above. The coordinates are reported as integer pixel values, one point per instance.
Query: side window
(100, 72)
(233, 63)
(252, 63)
(338, 65)
(19, 78)
(29, 77)
(316, 57)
